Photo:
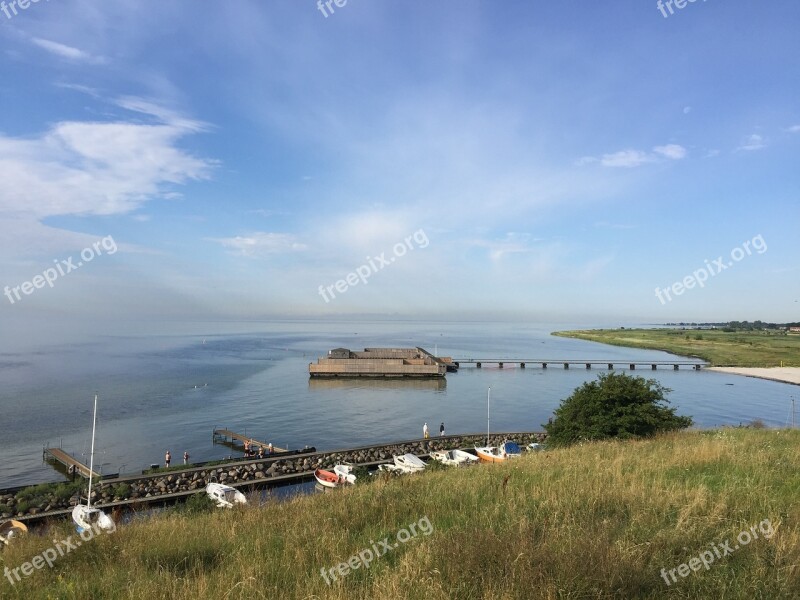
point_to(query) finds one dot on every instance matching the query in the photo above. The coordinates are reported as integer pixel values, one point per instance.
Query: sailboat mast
(488, 398)
(91, 455)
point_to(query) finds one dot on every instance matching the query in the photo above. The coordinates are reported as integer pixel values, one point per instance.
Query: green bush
(121, 490)
(197, 503)
(614, 406)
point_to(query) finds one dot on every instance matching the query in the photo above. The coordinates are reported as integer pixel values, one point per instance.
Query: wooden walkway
(253, 443)
(630, 364)
(68, 461)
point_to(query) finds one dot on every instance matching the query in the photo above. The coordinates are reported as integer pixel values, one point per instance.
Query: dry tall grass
(595, 521)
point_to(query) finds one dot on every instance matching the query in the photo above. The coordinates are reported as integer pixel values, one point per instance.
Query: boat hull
(86, 518)
(225, 496)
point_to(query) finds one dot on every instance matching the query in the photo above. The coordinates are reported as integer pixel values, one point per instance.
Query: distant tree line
(739, 325)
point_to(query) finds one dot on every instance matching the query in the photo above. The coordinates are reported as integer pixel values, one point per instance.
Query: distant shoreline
(790, 375)
(741, 349)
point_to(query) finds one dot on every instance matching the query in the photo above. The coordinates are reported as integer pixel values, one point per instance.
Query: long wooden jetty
(72, 464)
(588, 364)
(252, 442)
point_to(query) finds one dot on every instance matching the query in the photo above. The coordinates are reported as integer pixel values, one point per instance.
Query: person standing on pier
(167, 459)
(186, 457)
(425, 431)
(441, 429)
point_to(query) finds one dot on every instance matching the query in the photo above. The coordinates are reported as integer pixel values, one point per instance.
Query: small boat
(409, 463)
(10, 530)
(84, 515)
(498, 454)
(333, 479)
(345, 472)
(391, 468)
(454, 457)
(535, 447)
(224, 495)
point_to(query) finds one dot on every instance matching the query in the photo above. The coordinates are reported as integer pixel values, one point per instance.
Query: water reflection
(438, 384)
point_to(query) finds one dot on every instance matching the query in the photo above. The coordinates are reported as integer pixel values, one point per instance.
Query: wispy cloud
(794, 129)
(636, 158)
(671, 151)
(67, 52)
(512, 243)
(752, 142)
(95, 168)
(260, 244)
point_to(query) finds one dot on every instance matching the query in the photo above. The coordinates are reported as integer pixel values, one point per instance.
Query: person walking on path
(186, 457)
(167, 459)
(425, 431)
(441, 429)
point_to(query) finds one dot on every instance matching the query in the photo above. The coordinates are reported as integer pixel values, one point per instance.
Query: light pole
(488, 398)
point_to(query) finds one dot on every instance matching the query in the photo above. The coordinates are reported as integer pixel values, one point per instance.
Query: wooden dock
(253, 443)
(68, 461)
(610, 364)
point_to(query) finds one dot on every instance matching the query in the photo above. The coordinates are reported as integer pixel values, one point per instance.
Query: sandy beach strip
(782, 374)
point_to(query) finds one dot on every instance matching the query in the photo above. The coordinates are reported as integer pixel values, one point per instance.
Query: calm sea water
(160, 391)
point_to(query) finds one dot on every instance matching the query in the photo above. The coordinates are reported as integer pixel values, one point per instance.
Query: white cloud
(261, 243)
(67, 52)
(794, 129)
(513, 243)
(100, 168)
(752, 142)
(671, 151)
(687, 110)
(635, 158)
(626, 158)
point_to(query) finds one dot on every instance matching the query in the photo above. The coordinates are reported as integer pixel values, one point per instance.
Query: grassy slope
(595, 521)
(756, 349)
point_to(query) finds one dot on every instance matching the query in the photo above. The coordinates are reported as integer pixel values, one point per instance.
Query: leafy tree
(614, 406)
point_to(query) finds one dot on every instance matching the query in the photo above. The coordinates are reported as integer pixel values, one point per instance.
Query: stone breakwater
(259, 472)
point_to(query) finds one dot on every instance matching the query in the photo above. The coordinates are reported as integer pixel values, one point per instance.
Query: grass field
(721, 349)
(598, 520)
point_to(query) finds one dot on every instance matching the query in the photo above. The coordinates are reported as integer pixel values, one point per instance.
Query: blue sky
(563, 159)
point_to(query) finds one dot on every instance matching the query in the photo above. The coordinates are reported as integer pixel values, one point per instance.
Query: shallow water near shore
(169, 390)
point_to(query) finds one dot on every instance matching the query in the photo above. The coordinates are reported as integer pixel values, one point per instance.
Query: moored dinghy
(224, 495)
(390, 468)
(454, 458)
(409, 463)
(10, 530)
(341, 475)
(345, 473)
(498, 454)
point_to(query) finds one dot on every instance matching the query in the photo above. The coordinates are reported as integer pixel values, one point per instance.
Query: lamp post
(488, 398)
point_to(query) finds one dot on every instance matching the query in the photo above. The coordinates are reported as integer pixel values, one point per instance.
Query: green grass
(721, 349)
(592, 521)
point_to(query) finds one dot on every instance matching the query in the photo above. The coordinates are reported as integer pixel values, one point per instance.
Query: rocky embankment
(54, 498)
